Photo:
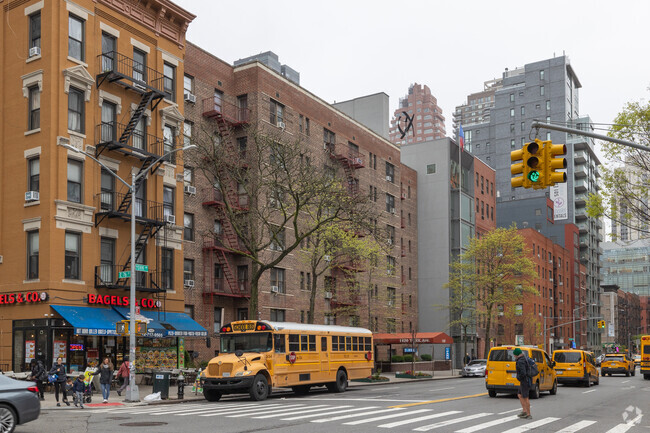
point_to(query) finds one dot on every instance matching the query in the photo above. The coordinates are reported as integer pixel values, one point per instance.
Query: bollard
(181, 386)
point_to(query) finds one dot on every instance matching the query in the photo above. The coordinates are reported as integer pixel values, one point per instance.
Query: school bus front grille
(215, 369)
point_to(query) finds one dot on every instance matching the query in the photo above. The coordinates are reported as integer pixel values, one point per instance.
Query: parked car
(474, 368)
(19, 403)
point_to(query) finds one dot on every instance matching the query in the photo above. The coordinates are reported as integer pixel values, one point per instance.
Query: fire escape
(219, 277)
(130, 140)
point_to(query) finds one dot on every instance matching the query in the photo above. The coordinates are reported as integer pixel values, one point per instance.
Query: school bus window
(258, 342)
(294, 344)
(348, 343)
(280, 342)
(368, 344)
(342, 343)
(335, 343)
(312, 343)
(355, 343)
(303, 343)
(323, 344)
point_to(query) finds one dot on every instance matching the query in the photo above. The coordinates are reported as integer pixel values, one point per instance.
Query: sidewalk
(114, 400)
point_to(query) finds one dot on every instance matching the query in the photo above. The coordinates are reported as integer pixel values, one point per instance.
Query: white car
(474, 368)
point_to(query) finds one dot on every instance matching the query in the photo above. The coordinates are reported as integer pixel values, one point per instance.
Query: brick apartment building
(229, 98)
(422, 107)
(484, 197)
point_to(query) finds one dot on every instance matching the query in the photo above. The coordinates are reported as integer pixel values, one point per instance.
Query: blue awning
(89, 320)
(166, 324)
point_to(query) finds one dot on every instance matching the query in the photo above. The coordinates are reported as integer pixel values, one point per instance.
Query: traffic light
(551, 163)
(601, 324)
(530, 156)
(122, 327)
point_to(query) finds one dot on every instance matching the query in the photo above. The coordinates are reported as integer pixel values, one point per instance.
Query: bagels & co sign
(122, 301)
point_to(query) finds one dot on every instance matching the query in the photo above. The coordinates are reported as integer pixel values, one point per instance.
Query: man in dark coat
(524, 383)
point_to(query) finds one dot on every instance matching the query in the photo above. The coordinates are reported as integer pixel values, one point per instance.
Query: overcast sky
(346, 49)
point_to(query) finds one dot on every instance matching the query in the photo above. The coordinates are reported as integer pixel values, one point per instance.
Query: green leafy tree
(494, 271)
(625, 198)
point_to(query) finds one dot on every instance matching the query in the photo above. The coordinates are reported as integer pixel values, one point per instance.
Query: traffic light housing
(122, 327)
(527, 162)
(601, 324)
(551, 163)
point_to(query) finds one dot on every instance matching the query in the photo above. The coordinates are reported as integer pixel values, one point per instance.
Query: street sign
(125, 274)
(519, 340)
(137, 309)
(141, 268)
(447, 353)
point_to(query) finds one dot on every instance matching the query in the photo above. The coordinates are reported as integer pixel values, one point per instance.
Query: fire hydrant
(181, 386)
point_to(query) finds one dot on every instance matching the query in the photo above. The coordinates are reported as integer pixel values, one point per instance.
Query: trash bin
(161, 383)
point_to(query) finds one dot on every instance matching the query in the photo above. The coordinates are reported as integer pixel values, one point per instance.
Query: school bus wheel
(211, 394)
(341, 383)
(259, 388)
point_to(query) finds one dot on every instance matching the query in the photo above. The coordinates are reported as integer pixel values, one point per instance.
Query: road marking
(312, 415)
(389, 387)
(422, 418)
(488, 424)
(587, 392)
(215, 412)
(577, 426)
(203, 408)
(625, 381)
(451, 421)
(441, 389)
(362, 399)
(508, 411)
(621, 428)
(441, 400)
(372, 412)
(280, 412)
(379, 418)
(532, 425)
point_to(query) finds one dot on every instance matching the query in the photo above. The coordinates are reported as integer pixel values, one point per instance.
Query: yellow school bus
(645, 356)
(257, 356)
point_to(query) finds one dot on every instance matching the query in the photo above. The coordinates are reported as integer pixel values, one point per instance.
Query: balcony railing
(114, 66)
(139, 144)
(107, 276)
(220, 286)
(112, 204)
(346, 154)
(215, 197)
(231, 113)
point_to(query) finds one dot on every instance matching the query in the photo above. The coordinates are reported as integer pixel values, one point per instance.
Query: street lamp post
(132, 392)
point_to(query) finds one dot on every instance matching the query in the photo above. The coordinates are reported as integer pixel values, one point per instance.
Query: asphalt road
(618, 404)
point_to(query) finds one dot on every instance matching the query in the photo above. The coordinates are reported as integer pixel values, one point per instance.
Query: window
(188, 269)
(188, 227)
(34, 170)
(302, 280)
(32, 255)
(242, 277)
(391, 296)
(523, 126)
(139, 134)
(107, 260)
(188, 175)
(390, 326)
(169, 81)
(277, 315)
(167, 273)
(169, 134)
(139, 66)
(108, 128)
(168, 201)
(329, 138)
(390, 265)
(108, 52)
(301, 123)
(548, 105)
(390, 172)
(34, 119)
(72, 255)
(277, 238)
(277, 112)
(189, 310)
(390, 234)
(512, 112)
(75, 172)
(76, 37)
(541, 74)
(523, 110)
(541, 90)
(512, 143)
(218, 317)
(187, 84)
(307, 126)
(390, 203)
(431, 168)
(187, 133)
(217, 100)
(512, 97)
(35, 30)
(76, 110)
(277, 279)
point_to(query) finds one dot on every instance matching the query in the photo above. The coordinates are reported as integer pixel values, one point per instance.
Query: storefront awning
(89, 320)
(406, 338)
(165, 324)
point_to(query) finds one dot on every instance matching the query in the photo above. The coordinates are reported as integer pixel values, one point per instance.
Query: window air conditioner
(34, 51)
(170, 219)
(189, 97)
(328, 295)
(403, 196)
(189, 189)
(275, 289)
(139, 86)
(392, 211)
(189, 283)
(358, 161)
(389, 178)
(281, 125)
(31, 196)
(389, 241)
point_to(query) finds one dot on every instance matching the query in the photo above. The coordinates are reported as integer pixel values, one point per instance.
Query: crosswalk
(414, 419)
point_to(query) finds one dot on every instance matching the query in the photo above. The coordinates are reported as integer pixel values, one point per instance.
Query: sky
(347, 49)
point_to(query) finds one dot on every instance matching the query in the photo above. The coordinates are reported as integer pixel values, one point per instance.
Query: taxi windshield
(253, 342)
(569, 357)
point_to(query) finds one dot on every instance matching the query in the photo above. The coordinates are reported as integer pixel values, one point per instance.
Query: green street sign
(125, 274)
(141, 268)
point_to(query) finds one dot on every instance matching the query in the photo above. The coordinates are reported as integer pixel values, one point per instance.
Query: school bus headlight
(243, 373)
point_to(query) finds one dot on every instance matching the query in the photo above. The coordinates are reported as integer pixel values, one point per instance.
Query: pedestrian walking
(58, 369)
(79, 387)
(467, 358)
(124, 373)
(105, 372)
(39, 375)
(524, 383)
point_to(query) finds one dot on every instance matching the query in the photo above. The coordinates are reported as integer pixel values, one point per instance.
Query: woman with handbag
(124, 373)
(58, 370)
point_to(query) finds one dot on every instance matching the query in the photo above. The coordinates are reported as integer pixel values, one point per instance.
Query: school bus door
(324, 355)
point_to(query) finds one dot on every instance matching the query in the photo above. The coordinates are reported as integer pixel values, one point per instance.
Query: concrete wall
(371, 110)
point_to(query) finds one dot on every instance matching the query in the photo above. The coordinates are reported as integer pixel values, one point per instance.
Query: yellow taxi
(617, 363)
(637, 360)
(501, 373)
(575, 366)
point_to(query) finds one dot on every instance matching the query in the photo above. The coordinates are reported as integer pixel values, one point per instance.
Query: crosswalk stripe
(312, 415)
(488, 424)
(422, 418)
(372, 412)
(621, 428)
(202, 408)
(451, 421)
(577, 426)
(281, 412)
(216, 412)
(211, 408)
(532, 425)
(379, 418)
(154, 409)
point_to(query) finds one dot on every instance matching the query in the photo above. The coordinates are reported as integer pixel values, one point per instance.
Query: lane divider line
(440, 400)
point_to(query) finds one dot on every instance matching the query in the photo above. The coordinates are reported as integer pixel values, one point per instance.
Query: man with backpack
(524, 378)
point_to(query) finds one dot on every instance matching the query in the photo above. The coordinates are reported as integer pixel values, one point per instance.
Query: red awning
(420, 338)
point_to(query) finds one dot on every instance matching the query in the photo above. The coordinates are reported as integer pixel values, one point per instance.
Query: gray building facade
(371, 110)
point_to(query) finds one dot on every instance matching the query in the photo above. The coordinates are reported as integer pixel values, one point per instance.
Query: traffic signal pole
(539, 125)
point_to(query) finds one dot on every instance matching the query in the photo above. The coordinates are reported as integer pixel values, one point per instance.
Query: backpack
(532, 367)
